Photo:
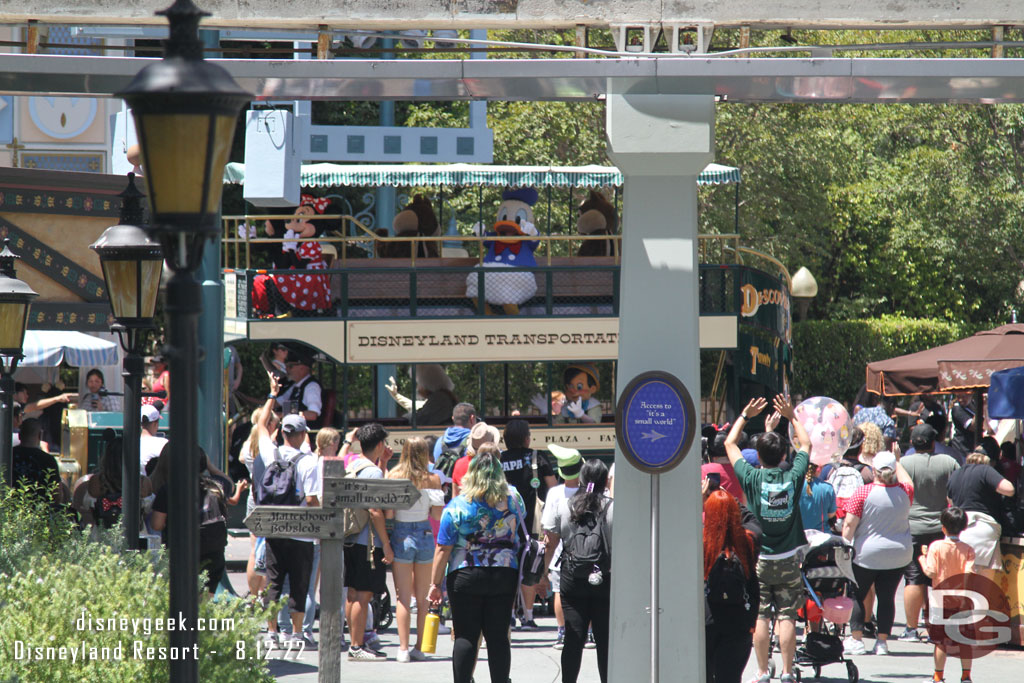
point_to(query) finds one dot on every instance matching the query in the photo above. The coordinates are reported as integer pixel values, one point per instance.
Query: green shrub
(830, 357)
(62, 578)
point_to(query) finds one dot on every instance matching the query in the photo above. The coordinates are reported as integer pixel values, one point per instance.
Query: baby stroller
(827, 571)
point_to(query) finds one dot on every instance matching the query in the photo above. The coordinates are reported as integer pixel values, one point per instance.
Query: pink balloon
(828, 425)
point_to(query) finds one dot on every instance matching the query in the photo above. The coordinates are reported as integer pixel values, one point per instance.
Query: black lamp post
(132, 263)
(15, 300)
(185, 112)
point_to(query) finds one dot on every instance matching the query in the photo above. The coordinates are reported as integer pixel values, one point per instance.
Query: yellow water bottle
(429, 642)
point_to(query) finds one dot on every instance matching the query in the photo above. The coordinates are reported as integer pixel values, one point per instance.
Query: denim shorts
(413, 542)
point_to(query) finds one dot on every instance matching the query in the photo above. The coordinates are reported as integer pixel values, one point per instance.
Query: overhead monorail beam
(507, 14)
(733, 79)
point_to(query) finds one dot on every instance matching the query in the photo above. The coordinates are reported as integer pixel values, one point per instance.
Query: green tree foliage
(52, 574)
(897, 209)
(831, 356)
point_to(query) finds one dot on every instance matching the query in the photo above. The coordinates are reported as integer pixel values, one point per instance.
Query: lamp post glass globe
(15, 300)
(131, 262)
(805, 288)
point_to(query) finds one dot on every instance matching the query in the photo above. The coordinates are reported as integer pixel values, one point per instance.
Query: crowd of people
(495, 530)
(483, 517)
(915, 519)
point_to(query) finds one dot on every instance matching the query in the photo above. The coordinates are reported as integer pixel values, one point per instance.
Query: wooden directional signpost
(325, 523)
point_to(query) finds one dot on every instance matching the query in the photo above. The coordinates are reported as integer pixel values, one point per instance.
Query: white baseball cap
(150, 414)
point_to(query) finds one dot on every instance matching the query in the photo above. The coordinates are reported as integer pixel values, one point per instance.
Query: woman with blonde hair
(874, 441)
(413, 542)
(263, 416)
(478, 548)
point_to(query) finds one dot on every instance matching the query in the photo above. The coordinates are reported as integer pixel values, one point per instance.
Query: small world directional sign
(399, 494)
(655, 421)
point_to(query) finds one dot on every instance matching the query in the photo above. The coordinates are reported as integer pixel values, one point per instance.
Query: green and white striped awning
(402, 175)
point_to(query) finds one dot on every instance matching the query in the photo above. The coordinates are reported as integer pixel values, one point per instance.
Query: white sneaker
(852, 646)
(361, 654)
(402, 656)
(881, 648)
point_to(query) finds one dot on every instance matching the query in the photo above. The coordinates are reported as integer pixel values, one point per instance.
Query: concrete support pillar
(660, 143)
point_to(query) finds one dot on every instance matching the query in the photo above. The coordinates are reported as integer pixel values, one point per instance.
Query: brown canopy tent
(962, 365)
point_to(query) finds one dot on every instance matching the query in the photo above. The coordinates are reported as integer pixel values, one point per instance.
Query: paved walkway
(533, 658)
(534, 661)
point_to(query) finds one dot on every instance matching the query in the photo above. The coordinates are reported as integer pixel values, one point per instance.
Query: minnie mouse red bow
(109, 505)
(318, 203)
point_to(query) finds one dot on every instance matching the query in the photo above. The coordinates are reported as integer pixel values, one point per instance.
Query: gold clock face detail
(62, 117)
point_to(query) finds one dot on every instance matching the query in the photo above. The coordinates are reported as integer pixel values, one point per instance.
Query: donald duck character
(510, 289)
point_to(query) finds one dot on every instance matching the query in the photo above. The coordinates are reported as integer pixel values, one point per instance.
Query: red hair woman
(730, 589)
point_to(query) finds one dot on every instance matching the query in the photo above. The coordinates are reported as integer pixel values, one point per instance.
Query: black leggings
(584, 606)
(481, 599)
(885, 581)
(727, 649)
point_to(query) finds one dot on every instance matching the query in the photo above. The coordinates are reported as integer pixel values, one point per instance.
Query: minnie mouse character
(306, 292)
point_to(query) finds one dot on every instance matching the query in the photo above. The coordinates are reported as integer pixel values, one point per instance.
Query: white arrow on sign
(3, 103)
(396, 494)
(653, 435)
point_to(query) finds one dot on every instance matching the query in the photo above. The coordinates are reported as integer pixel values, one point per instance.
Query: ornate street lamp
(185, 112)
(15, 300)
(131, 263)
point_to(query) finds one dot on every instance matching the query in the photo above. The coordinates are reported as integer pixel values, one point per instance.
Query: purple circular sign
(655, 422)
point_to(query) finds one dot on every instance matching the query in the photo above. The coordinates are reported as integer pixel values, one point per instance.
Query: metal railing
(238, 251)
(724, 248)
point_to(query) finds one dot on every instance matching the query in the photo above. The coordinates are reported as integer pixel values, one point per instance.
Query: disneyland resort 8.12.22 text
(137, 643)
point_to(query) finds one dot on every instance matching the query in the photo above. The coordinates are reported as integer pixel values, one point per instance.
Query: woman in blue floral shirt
(478, 545)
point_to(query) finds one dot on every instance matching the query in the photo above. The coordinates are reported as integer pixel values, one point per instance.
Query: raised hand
(754, 407)
(782, 404)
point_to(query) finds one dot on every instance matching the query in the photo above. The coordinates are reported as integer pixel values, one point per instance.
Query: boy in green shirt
(774, 498)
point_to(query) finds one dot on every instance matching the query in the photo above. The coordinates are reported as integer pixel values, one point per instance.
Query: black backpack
(586, 548)
(726, 583)
(449, 456)
(107, 509)
(278, 485)
(213, 517)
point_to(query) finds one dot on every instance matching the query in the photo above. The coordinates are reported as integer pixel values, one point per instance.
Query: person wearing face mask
(581, 382)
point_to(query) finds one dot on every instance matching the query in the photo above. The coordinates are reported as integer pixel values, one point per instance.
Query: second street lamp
(132, 263)
(185, 111)
(15, 300)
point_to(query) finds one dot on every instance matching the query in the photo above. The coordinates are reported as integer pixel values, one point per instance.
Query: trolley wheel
(817, 672)
(851, 672)
(771, 668)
